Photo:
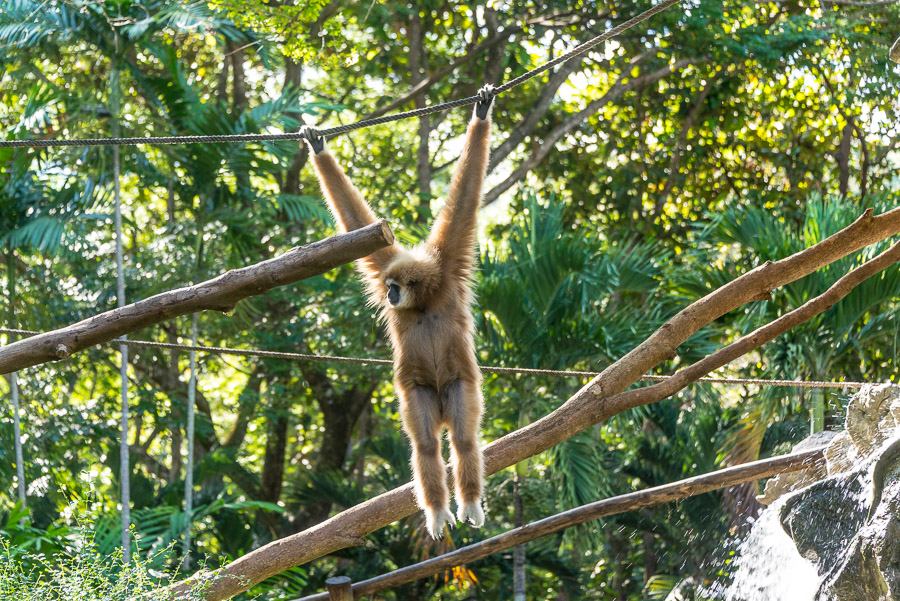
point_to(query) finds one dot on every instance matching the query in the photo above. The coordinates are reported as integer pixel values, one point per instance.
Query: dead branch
(598, 400)
(650, 497)
(219, 294)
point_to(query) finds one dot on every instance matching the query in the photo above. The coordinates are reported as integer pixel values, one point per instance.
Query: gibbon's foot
(472, 513)
(486, 97)
(435, 520)
(312, 136)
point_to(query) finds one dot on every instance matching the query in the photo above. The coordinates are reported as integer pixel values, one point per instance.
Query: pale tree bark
(14, 381)
(17, 433)
(189, 472)
(602, 398)
(519, 550)
(218, 294)
(124, 452)
(843, 159)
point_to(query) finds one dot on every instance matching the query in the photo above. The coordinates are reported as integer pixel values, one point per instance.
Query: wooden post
(339, 588)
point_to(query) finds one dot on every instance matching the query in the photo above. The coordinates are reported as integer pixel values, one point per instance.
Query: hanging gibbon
(425, 295)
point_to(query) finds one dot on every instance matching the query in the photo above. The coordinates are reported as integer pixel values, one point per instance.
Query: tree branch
(600, 399)
(527, 125)
(614, 93)
(476, 51)
(633, 501)
(219, 294)
(426, 83)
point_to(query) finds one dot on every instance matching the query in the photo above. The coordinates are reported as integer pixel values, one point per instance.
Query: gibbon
(425, 298)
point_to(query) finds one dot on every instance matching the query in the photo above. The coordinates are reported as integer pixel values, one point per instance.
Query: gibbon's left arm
(453, 232)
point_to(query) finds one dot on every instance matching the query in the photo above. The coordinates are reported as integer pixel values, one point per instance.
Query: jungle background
(622, 185)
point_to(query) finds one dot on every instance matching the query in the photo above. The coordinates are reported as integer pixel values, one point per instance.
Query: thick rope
(220, 350)
(342, 129)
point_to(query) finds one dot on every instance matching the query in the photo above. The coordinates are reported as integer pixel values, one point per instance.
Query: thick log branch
(641, 499)
(219, 294)
(598, 400)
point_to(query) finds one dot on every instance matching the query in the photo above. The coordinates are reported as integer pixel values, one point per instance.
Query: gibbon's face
(411, 280)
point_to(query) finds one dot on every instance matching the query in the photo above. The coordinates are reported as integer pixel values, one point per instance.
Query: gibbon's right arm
(344, 200)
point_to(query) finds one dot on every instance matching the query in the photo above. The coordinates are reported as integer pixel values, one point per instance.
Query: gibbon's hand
(486, 97)
(312, 136)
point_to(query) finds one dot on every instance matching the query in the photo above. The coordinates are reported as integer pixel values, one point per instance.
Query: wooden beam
(641, 499)
(219, 294)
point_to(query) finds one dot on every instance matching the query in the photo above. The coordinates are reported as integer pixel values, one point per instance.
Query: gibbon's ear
(485, 102)
(315, 140)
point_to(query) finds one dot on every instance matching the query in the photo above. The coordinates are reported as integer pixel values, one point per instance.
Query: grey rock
(848, 524)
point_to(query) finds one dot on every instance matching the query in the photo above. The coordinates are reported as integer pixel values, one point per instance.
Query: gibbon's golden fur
(425, 297)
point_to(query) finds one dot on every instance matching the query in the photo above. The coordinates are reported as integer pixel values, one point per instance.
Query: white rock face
(873, 417)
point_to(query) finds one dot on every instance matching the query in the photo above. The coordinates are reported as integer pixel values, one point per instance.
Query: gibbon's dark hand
(486, 97)
(312, 136)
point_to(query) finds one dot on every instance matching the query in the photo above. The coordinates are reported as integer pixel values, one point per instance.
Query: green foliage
(86, 577)
(780, 131)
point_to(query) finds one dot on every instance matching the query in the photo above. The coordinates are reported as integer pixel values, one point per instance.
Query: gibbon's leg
(421, 414)
(462, 413)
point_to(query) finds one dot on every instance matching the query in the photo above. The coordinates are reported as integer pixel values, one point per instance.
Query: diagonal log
(633, 501)
(600, 399)
(219, 294)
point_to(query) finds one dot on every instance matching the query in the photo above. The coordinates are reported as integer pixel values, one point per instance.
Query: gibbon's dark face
(412, 279)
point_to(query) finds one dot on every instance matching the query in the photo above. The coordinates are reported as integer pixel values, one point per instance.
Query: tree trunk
(651, 562)
(493, 72)
(176, 412)
(418, 68)
(843, 158)
(238, 81)
(817, 411)
(340, 413)
(518, 551)
(124, 453)
(14, 382)
(273, 463)
(170, 203)
(189, 472)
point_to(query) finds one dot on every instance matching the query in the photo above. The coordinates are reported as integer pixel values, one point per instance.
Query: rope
(220, 350)
(342, 129)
